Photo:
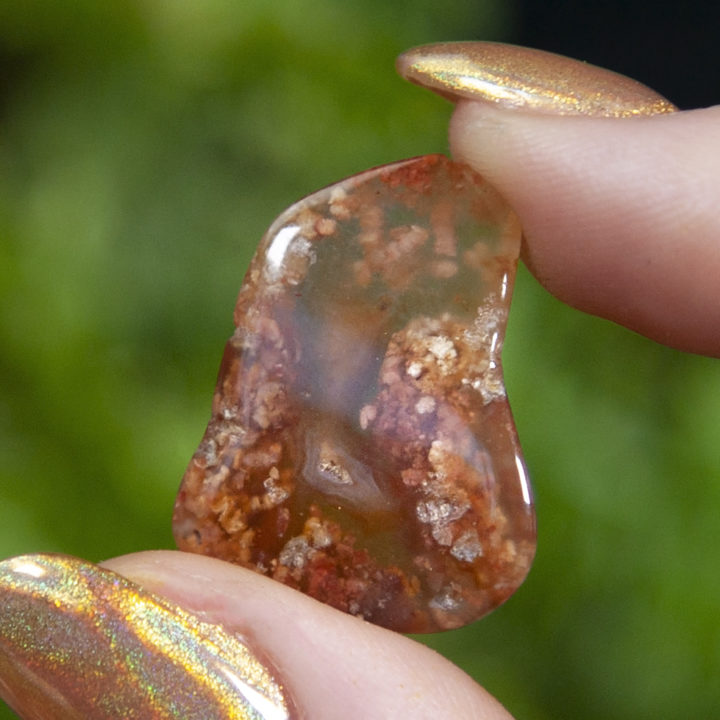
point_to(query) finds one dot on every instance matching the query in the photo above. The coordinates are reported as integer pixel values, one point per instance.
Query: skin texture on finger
(620, 216)
(334, 665)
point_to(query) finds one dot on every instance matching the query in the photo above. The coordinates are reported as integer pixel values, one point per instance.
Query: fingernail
(528, 80)
(78, 641)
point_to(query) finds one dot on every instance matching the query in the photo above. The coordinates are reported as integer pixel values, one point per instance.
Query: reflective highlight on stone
(361, 448)
(80, 642)
(527, 79)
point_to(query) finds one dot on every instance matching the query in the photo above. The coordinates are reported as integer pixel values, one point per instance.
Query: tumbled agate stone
(361, 448)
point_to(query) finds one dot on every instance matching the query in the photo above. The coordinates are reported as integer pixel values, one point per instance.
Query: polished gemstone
(361, 447)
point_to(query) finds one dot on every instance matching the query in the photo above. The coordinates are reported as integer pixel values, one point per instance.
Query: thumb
(167, 634)
(334, 665)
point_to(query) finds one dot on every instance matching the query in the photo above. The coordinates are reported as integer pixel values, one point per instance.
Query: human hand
(337, 666)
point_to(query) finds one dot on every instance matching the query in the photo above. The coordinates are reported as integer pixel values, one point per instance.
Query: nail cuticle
(91, 644)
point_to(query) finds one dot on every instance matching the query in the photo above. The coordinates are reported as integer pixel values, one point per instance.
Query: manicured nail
(78, 641)
(526, 79)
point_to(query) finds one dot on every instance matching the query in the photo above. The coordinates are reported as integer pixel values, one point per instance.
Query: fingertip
(619, 215)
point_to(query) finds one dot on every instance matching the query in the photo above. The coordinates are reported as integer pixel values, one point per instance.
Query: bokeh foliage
(144, 148)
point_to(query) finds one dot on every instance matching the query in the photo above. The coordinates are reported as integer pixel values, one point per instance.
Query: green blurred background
(144, 148)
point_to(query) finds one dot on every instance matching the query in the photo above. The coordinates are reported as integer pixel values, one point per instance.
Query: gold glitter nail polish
(528, 80)
(79, 641)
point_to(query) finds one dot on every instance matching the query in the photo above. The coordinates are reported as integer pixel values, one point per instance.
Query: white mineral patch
(414, 369)
(332, 470)
(467, 547)
(446, 600)
(443, 349)
(425, 405)
(440, 511)
(295, 553)
(367, 414)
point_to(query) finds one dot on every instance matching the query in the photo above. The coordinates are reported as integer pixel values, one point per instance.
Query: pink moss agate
(361, 447)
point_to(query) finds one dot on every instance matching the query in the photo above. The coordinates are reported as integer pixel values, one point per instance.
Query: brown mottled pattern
(361, 448)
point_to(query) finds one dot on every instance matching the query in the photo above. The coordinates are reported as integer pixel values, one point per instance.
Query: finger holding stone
(615, 190)
(167, 634)
(335, 665)
(619, 216)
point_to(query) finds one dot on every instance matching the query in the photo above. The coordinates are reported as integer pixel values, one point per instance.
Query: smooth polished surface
(81, 642)
(527, 79)
(361, 447)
